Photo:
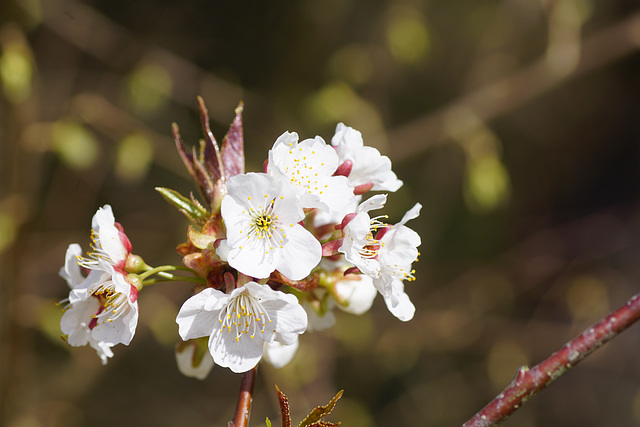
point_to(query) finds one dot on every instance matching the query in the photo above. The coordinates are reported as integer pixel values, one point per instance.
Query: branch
(243, 410)
(528, 382)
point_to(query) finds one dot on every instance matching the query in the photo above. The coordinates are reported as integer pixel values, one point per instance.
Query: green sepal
(191, 208)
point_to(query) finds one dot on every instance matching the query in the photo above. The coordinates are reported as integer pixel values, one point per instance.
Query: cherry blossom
(384, 253)
(102, 308)
(369, 166)
(261, 215)
(359, 245)
(238, 324)
(309, 166)
(398, 250)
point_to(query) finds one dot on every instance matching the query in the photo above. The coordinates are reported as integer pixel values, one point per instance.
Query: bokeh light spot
(134, 156)
(75, 145)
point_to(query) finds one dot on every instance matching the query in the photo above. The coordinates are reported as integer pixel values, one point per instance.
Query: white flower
(109, 241)
(324, 218)
(102, 308)
(384, 253)
(352, 293)
(357, 291)
(398, 250)
(369, 166)
(309, 167)
(359, 245)
(238, 324)
(261, 215)
(278, 355)
(192, 361)
(319, 319)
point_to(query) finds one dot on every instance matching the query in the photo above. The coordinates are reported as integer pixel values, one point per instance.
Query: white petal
(254, 258)
(373, 202)
(300, 254)
(286, 139)
(288, 319)
(359, 294)
(239, 356)
(185, 361)
(279, 355)
(346, 139)
(199, 314)
(71, 270)
(223, 250)
(316, 321)
(287, 316)
(400, 246)
(76, 319)
(109, 235)
(355, 239)
(120, 330)
(369, 166)
(403, 308)
(412, 213)
(103, 350)
(308, 166)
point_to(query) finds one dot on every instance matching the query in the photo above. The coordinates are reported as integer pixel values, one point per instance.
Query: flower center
(372, 245)
(244, 315)
(112, 304)
(263, 222)
(96, 253)
(266, 227)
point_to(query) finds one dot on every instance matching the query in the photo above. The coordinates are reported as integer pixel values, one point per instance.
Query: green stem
(162, 268)
(162, 272)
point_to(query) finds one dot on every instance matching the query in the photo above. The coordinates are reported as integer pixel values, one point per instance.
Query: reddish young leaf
(284, 408)
(233, 146)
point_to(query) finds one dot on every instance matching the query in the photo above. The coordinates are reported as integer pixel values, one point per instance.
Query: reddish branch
(243, 410)
(529, 382)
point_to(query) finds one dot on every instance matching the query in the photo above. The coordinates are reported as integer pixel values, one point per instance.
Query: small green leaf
(315, 416)
(200, 240)
(192, 210)
(268, 422)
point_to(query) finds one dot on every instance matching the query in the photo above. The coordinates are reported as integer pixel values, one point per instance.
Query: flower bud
(135, 264)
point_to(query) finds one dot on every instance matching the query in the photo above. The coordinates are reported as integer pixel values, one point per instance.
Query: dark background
(515, 123)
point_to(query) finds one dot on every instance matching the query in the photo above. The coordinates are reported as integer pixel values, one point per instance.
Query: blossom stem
(243, 409)
(162, 272)
(529, 381)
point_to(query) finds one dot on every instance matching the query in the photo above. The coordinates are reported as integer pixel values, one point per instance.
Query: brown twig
(243, 409)
(528, 382)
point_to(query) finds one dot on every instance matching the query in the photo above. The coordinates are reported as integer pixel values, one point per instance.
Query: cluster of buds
(274, 252)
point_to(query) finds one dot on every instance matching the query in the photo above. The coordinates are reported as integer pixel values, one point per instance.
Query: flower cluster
(273, 251)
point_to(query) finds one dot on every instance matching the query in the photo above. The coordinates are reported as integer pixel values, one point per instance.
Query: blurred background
(515, 123)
